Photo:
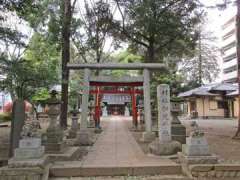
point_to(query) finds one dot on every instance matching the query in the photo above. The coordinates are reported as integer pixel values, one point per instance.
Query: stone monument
(29, 161)
(74, 125)
(126, 111)
(18, 118)
(196, 149)
(54, 135)
(30, 146)
(164, 145)
(177, 129)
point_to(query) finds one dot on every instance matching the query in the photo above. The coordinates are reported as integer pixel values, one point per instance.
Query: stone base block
(69, 154)
(91, 124)
(54, 148)
(196, 150)
(210, 159)
(179, 138)
(29, 153)
(84, 138)
(179, 133)
(72, 134)
(164, 149)
(17, 163)
(148, 136)
(34, 173)
(97, 130)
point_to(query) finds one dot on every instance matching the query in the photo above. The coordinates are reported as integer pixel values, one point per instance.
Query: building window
(232, 80)
(229, 46)
(229, 34)
(230, 57)
(230, 69)
(228, 23)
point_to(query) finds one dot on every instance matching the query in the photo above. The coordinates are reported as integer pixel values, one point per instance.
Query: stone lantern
(74, 126)
(178, 130)
(54, 134)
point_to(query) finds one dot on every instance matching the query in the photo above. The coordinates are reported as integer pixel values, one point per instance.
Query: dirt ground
(219, 133)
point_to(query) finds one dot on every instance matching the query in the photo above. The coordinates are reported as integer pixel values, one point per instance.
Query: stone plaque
(164, 117)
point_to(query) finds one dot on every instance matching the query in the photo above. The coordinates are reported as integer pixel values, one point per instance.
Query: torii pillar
(84, 136)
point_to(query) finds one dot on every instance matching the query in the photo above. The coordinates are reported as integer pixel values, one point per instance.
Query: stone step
(77, 170)
(155, 177)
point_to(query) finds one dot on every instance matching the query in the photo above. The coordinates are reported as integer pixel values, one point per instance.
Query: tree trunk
(237, 135)
(150, 53)
(200, 60)
(65, 59)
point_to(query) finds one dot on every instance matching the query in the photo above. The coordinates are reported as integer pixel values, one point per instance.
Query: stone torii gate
(146, 67)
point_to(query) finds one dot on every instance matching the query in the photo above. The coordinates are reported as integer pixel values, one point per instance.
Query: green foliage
(4, 117)
(124, 57)
(157, 28)
(41, 96)
(91, 31)
(37, 69)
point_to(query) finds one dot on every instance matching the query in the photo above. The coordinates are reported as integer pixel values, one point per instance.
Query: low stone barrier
(215, 170)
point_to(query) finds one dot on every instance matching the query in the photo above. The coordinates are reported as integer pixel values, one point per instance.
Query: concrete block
(29, 153)
(202, 167)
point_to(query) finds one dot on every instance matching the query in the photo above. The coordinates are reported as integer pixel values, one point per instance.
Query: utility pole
(238, 64)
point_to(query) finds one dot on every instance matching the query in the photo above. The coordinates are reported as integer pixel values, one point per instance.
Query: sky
(215, 19)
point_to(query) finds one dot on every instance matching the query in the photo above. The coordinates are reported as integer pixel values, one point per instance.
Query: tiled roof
(206, 90)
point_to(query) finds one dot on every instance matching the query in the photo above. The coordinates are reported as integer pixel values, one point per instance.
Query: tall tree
(91, 30)
(158, 27)
(66, 32)
(202, 64)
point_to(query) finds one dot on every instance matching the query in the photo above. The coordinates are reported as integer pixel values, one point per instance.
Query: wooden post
(97, 107)
(134, 107)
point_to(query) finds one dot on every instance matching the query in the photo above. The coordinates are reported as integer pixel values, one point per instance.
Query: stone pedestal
(54, 142)
(164, 144)
(84, 137)
(28, 162)
(196, 150)
(148, 136)
(74, 128)
(196, 146)
(166, 148)
(29, 148)
(177, 129)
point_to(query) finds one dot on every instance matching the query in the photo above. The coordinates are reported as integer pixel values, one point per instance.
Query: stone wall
(218, 171)
(34, 173)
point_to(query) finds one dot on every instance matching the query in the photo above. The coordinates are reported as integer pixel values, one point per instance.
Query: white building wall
(231, 75)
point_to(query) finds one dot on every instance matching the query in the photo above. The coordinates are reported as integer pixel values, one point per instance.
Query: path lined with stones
(116, 147)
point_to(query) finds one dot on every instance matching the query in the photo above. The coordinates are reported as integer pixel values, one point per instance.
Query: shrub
(4, 117)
